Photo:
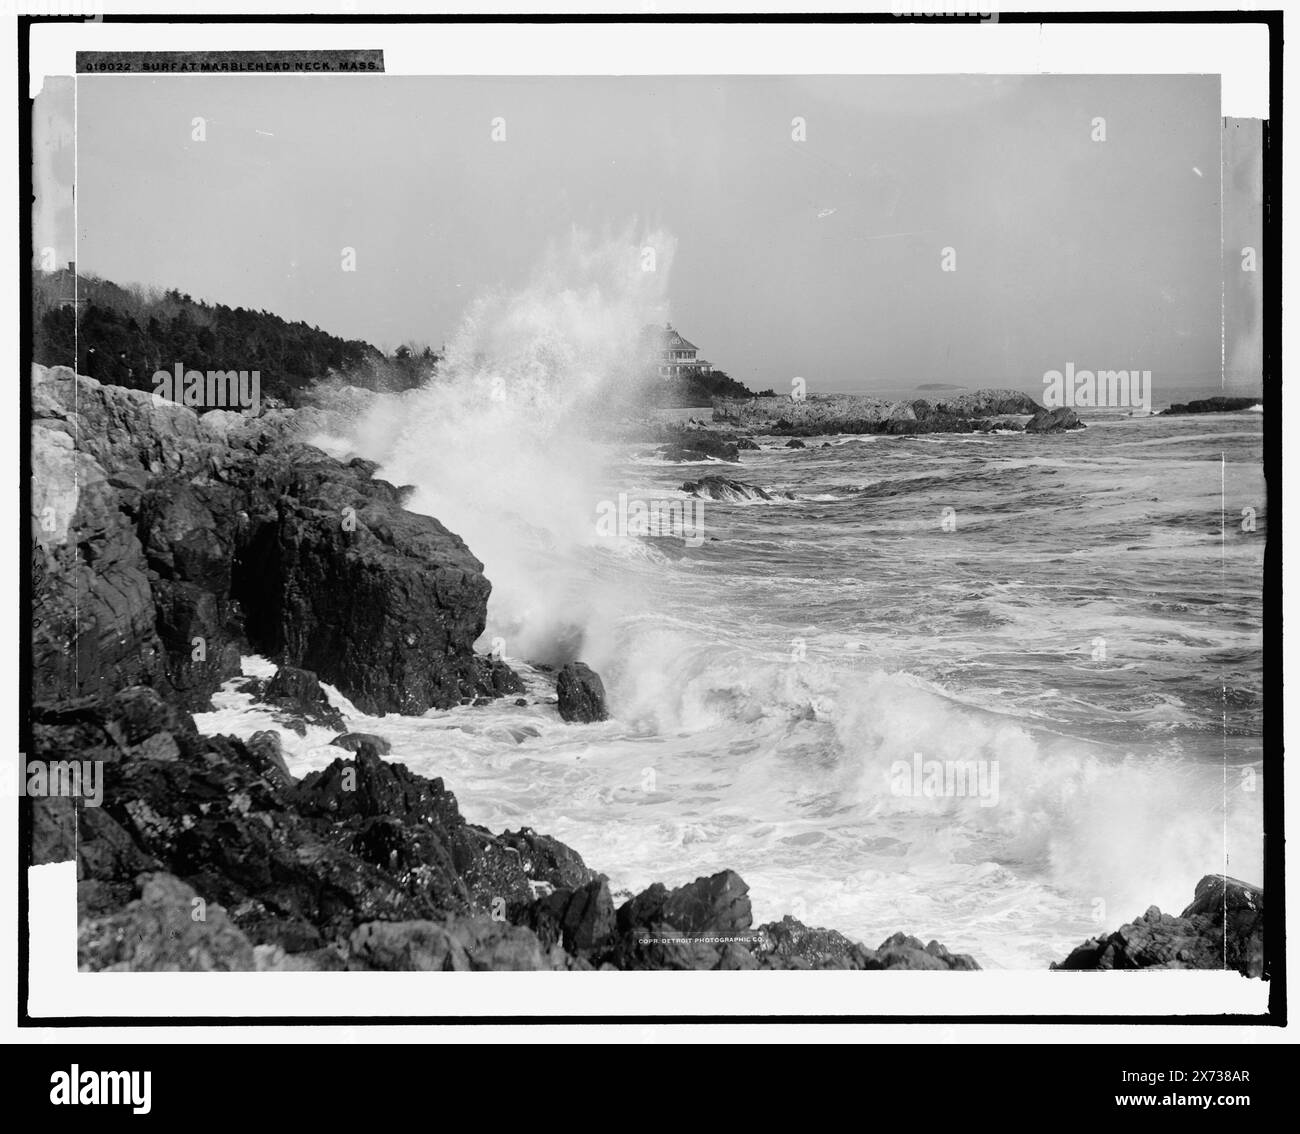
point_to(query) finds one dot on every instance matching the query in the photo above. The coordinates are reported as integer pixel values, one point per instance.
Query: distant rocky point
(1213, 405)
(816, 414)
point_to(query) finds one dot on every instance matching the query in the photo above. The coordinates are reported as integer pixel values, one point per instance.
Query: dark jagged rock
(547, 860)
(694, 443)
(494, 678)
(790, 943)
(1222, 928)
(298, 692)
(1235, 910)
(294, 866)
(352, 741)
(722, 488)
(581, 694)
(1054, 421)
(582, 920)
(1213, 405)
(903, 952)
(167, 542)
(795, 443)
(267, 758)
(702, 925)
(744, 443)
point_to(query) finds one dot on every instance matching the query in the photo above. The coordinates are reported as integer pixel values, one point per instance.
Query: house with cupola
(673, 354)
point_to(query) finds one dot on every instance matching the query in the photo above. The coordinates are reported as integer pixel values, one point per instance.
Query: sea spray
(766, 682)
(506, 444)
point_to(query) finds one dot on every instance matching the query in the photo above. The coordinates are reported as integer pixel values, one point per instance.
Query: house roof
(669, 339)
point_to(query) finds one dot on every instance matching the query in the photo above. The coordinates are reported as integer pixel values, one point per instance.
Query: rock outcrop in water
(694, 441)
(1213, 405)
(167, 542)
(1222, 928)
(978, 411)
(723, 488)
(1054, 421)
(581, 694)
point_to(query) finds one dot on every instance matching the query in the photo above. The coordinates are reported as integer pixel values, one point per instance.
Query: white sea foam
(1078, 624)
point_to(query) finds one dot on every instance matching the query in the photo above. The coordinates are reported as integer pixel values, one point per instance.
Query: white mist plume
(504, 444)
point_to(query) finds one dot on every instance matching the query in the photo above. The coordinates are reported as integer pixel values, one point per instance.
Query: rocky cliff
(165, 542)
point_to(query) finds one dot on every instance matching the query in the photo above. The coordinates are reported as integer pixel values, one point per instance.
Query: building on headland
(76, 302)
(674, 356)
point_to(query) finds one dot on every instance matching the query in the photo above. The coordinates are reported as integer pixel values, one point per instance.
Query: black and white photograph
(657, 521)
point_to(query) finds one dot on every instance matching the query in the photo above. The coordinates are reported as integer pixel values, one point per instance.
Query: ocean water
(1088, 619)
(1076, 619)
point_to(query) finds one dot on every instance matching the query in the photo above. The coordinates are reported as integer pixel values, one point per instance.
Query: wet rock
(781, 942)
(722, 488)
(267, 755)
(548, 860)
(680, 929)
(1235, 910)
(582, 920)
(352, 741)
(698, 444)
(795, 443)
(298, 692)
(903, 952)
(1054, 421)
(718, 904)
(581, 694)
(1222, 928)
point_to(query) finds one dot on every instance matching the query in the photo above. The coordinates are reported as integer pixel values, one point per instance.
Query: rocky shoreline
(978, 411)
(165, 545)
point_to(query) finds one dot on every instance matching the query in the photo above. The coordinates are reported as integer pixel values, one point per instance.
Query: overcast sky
(820, 258)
